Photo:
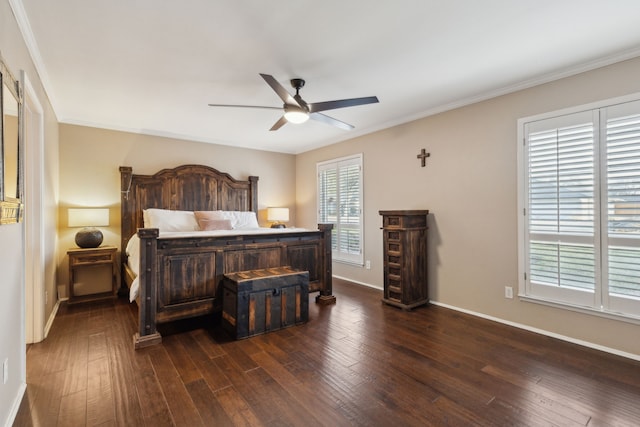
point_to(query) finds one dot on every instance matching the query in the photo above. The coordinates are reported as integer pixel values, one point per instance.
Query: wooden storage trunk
(259, 301)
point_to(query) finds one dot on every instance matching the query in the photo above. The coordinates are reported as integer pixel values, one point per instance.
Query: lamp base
(89, 238)
(278, 225)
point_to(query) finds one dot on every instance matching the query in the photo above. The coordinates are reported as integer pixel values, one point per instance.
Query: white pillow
(168, 220)
(240, 220)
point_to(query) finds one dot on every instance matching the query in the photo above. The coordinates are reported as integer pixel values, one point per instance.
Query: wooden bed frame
(181, 277)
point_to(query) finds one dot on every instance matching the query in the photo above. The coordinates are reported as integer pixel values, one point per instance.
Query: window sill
(584, 310)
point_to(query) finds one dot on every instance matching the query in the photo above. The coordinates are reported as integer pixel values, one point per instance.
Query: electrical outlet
(367, 264)
(5, 371)
(508, 292)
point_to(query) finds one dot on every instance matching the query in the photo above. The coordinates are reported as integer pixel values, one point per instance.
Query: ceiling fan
(297, 110)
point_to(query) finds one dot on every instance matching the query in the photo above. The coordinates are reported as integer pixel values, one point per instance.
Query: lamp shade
(277, 214)
(88, 237)
(90, 217)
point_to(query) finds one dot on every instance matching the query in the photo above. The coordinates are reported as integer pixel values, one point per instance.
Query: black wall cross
(423, 156)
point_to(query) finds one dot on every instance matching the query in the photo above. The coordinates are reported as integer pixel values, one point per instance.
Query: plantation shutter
(622, 211)
(561, 154)
(328, 199)
(582, 209)
(340, 203)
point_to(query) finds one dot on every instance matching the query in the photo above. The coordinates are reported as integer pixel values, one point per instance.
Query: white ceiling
(152, 66)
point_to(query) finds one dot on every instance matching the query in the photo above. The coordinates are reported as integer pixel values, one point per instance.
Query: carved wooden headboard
(188, 188)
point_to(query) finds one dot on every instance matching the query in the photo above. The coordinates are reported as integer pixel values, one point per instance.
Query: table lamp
(89, 218)
(277, 216)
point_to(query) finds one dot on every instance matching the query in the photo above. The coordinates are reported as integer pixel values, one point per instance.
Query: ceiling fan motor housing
(297, 84)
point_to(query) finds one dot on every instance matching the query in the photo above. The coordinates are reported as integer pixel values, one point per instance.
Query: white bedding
(133, 247)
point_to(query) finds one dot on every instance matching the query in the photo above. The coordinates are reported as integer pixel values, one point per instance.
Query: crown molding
(526, 84)
(32, 46)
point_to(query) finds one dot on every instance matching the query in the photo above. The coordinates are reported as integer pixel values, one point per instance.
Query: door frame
(35, 293)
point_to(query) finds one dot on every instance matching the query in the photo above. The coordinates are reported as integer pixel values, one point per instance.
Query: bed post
(253, 193)
(326, 296)
(126, 175)
(147, 299)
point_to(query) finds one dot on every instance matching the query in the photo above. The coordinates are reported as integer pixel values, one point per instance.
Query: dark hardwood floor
(358, 362)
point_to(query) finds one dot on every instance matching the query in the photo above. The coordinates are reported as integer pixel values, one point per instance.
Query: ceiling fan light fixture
(295, 115)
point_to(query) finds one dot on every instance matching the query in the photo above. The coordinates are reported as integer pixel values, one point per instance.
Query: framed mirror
(11, 156)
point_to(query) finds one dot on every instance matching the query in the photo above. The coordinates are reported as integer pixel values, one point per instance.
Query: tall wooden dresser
(405, 258)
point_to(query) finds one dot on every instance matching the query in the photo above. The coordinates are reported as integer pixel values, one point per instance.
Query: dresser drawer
(395, 271)
(394, 288)
(394, 249)
(394, 296)
(404, 221)
(90, 259)
(392, 221)
(394, 259)
(393, 236)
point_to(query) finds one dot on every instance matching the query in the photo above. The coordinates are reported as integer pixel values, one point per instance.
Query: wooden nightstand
(89, 258)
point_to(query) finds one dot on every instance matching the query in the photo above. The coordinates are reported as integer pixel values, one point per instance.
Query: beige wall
(89, 175)
(469, 185)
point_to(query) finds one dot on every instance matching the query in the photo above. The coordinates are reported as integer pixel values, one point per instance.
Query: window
(580, 196)
(340, 203)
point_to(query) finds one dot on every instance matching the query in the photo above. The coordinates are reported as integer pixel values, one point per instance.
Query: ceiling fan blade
(245, 106)
(314, 107)
(319, 117)
(279, 123)
(281, 91)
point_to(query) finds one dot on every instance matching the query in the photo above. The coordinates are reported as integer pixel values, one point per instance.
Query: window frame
(601, 303)
(338, 255)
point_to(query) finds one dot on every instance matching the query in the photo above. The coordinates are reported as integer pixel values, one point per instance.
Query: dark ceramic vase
(89, 238)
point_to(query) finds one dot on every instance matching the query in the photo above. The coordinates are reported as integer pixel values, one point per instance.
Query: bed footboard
(181, 278)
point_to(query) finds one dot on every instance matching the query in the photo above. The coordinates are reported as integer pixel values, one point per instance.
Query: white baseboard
(16, 405)
(542, 332)
(368, 285)
(52, 317)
